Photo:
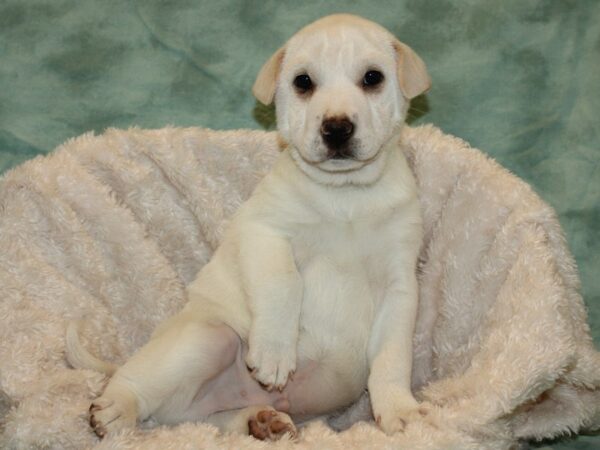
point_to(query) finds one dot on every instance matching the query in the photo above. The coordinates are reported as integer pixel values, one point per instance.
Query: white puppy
(315, 276)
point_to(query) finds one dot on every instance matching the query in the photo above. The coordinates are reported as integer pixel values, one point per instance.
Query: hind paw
(272, 425)
(107, 416)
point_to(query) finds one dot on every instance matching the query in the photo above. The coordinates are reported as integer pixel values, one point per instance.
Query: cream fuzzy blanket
(110, 229)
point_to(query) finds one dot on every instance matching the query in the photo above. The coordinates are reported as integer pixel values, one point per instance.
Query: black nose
(336, 132)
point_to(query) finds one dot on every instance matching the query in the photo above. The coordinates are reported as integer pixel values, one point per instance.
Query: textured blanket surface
(110, 229)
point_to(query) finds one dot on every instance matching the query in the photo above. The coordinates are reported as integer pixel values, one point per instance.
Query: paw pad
(271, 425)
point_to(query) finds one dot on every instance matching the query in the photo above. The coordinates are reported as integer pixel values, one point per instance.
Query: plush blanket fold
(109, 229)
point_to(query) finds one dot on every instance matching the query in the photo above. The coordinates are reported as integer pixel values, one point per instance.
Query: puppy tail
(79, 358)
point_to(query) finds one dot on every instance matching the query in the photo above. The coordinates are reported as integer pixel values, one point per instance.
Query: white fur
(315, 274)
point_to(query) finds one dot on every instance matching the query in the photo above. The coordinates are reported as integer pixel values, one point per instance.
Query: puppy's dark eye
(372, 78)
(303, 83)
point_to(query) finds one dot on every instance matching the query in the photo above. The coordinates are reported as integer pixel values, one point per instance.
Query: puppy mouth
(338, 162)
(340, 165)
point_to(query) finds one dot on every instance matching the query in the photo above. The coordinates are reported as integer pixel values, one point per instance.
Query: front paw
(394, 412)
(271, 364)
(398, 420)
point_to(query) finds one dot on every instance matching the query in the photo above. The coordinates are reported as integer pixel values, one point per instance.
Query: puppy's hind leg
(163, 377)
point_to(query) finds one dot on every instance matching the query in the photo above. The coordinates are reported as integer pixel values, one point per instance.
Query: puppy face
(342, 87)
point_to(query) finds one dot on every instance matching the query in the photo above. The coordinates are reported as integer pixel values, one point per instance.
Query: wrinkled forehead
(345, 47)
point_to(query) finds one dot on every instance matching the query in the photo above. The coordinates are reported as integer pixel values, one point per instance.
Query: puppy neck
(347, 200)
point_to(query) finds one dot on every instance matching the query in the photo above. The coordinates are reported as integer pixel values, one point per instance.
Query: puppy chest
(343, 285)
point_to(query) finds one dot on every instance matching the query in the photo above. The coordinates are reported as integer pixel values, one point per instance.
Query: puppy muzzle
(336, 133)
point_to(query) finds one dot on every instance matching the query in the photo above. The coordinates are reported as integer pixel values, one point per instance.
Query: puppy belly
(233, 388)
(315, 388)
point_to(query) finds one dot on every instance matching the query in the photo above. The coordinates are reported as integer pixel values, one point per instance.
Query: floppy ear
(266, 81)
(412, 74)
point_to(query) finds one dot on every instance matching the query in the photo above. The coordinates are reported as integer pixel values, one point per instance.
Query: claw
(266, 387)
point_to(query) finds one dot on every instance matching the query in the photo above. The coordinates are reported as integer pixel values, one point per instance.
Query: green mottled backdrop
(519, 79)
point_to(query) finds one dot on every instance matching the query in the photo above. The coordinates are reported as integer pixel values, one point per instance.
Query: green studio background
(519, 79)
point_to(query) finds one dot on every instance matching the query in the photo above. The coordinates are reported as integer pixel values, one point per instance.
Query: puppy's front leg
(274, 289)
(390, 356)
